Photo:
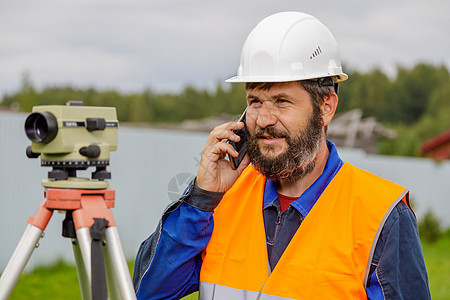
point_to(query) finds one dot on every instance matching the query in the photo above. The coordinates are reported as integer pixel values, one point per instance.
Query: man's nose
(267, 115)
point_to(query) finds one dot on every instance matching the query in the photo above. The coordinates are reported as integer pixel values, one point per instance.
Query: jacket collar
(307, 200)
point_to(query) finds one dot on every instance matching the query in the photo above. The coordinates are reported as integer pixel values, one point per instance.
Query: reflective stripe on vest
(220, 292)
(329, 256)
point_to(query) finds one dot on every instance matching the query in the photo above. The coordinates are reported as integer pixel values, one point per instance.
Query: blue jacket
(168, 262)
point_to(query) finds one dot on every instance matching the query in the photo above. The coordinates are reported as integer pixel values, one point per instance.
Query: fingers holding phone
(216, 173)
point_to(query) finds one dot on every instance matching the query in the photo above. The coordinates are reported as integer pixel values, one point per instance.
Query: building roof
(436, 141)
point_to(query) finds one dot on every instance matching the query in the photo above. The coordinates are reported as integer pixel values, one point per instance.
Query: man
(298, 223)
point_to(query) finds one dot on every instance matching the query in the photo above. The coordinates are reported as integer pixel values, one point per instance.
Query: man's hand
(215, 173)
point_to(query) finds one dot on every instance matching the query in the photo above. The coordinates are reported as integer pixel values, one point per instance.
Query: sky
(165, 45)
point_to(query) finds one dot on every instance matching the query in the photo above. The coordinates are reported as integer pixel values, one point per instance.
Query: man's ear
(328, 108)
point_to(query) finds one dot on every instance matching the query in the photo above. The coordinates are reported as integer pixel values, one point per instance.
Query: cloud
(165, 45)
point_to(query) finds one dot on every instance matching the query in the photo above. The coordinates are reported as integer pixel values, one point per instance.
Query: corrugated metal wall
(148, 170)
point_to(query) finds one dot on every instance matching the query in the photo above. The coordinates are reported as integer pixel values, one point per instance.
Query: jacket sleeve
(168, 262)
(398, 263)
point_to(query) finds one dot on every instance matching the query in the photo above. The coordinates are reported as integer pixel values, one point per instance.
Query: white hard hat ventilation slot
(316, 52)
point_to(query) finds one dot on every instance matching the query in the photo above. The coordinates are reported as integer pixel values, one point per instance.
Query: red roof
(436, 141)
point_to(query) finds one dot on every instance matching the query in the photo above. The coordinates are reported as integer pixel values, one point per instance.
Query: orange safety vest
(329, 256)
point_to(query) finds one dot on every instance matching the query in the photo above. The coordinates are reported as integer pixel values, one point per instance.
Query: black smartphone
(241, 146)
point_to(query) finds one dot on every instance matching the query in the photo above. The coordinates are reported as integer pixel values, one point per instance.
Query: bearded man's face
(285, 131)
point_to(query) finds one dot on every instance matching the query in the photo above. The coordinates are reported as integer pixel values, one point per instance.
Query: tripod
(90, 224)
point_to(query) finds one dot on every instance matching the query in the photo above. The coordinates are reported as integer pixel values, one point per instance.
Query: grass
(437, 259)
(59, 281)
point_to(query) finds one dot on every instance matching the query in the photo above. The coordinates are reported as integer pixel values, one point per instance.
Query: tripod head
(73, 137)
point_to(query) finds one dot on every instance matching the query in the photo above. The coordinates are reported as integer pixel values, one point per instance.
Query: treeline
(416, 103)
(146, 106)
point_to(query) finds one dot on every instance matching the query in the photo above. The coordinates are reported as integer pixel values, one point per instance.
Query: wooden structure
(437, 147)
(351, 130)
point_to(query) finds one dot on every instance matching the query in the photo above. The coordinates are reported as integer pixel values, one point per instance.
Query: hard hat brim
(236, 79)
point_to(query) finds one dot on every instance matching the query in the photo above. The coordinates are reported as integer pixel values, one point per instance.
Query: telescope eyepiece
(41, 127)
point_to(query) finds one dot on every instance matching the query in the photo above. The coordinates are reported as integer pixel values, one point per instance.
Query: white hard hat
(289, 46)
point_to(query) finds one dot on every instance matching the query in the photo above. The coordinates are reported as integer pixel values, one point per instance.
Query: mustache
(270, 130)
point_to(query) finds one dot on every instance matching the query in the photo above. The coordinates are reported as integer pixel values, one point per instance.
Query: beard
(299, 157)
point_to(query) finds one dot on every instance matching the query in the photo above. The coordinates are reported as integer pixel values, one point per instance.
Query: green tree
(434, 121)
(430, 228)
(409, 94)
(366, 91)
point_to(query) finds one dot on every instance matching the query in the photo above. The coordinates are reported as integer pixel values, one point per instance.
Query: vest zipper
(277, 226)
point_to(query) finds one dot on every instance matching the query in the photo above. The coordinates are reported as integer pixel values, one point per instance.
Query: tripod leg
(83, 274)
(116, 262)
(18, 260)
(24, 250)
(113, 286)
(94, 206)
(82, 253)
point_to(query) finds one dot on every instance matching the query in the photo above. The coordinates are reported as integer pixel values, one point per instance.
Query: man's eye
(283, 101)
